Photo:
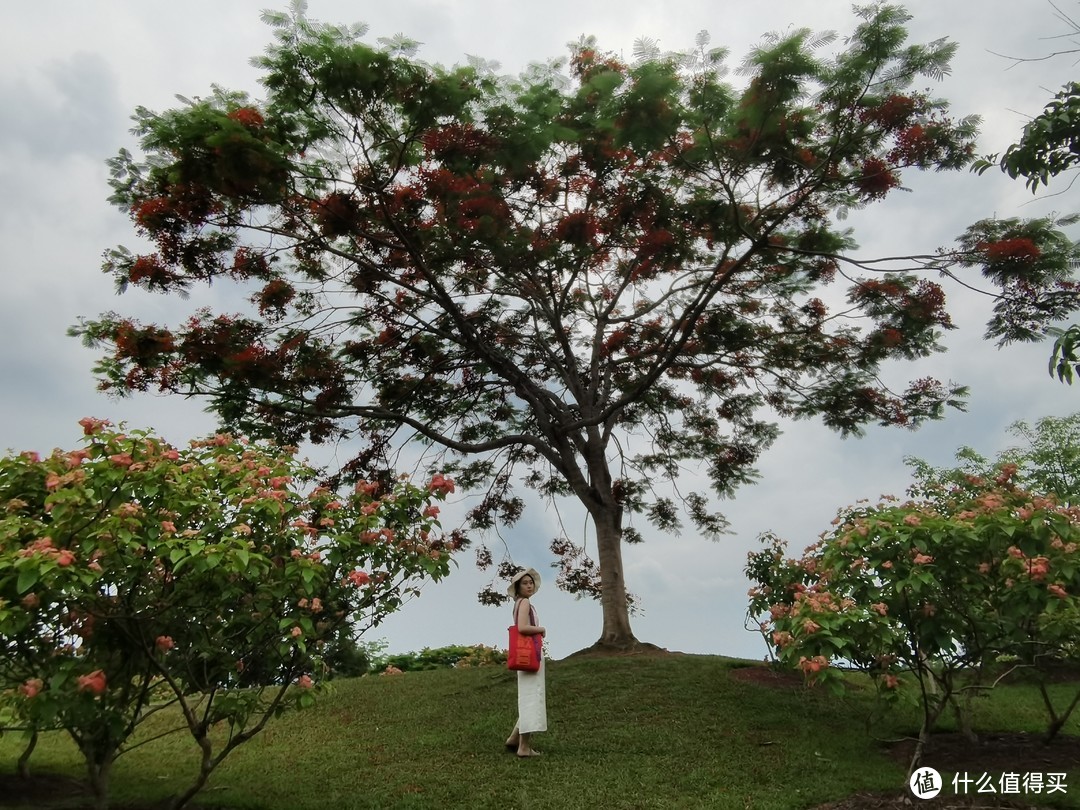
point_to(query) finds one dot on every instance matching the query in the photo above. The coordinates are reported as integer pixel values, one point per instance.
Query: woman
(532, 693)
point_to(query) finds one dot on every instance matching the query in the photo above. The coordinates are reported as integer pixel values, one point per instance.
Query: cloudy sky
(71, 73)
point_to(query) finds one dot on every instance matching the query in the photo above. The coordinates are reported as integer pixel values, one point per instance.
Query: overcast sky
(71, 74)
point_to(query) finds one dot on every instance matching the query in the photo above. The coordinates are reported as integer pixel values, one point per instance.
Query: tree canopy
(593, 274)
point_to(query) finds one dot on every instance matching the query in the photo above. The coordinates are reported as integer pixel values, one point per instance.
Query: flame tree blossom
(205, 575)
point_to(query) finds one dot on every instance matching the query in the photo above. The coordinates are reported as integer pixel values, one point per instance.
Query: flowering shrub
(213, 576)
(922, 593)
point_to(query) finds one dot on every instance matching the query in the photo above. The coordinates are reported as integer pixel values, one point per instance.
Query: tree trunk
(23, 766)
(616, 634)
(99, 769)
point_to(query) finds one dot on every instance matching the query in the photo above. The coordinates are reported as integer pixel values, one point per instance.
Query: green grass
(636, 732)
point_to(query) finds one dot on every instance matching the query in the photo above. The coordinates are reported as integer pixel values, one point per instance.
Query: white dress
(532, 692)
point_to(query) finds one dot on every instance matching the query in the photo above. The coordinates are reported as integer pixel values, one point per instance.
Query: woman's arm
(523, 625)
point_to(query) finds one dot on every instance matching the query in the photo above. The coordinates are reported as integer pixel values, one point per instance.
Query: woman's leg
(513, 740)
(525, 748)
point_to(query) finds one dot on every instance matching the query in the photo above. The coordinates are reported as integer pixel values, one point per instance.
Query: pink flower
(168, 526)
(242, 528)
(65, 557)
(129, 510)
(441, 484)
(164, 643)
(431, 512)
(781, 638)
(30, 601)
(912, 520)
(891, 682)
(91, 426)
(94, 683)
(887, 564)
(52, 481)
(316, 605)
(810, 626)
(812, 666)
(881, 608)
(984, 568)
(922, 559)
(171, 455)
(121, 459)
(31, 687)
(1057, 591)
(333, 506)
(368, 488)
(305, 682)
(1039, 568)
(296, 632)
(359, 578)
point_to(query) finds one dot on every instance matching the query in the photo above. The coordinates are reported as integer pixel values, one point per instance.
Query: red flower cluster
(1020, 250)
(275, 296)
(458, 141)
(891, 113)
(248, 117)
(877, 178)
(152, 270)
(153, 213)
(914, 146)
(579, 228)
(337, 214)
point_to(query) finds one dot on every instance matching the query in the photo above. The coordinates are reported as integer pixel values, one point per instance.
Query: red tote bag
(522, 654)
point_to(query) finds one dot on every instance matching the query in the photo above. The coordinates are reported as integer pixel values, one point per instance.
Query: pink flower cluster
(90, 425)
(44, 546)
(94, 683)
(812, 666)
(441, 484)
(359, 578)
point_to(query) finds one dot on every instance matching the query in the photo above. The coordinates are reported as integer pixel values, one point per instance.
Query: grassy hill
(635, 732)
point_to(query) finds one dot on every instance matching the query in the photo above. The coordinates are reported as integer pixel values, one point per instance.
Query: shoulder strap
(532, 612)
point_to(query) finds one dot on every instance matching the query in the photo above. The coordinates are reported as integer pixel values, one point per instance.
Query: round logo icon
(925, 783)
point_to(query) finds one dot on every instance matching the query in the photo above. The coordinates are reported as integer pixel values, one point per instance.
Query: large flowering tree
(212, 578)
(595, 273)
